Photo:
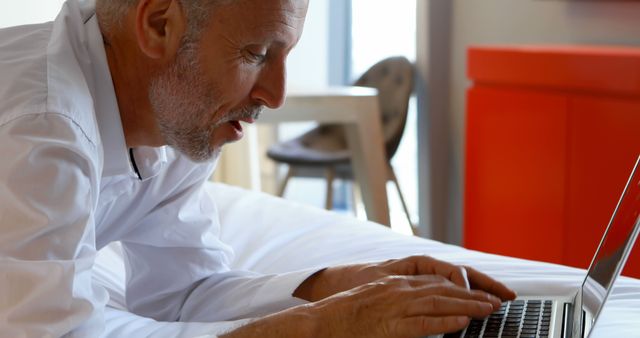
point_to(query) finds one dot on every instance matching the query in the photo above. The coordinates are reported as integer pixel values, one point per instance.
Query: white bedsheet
(269, 235)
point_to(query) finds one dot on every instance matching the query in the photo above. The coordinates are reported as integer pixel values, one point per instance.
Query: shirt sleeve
(47, 244)
(178, 269)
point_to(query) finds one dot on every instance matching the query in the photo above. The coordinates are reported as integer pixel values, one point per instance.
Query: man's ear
(160, 26)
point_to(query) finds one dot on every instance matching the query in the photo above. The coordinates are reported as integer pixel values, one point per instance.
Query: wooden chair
(323, 151)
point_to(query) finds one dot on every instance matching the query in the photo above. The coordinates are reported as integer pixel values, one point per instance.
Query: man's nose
(270, 87)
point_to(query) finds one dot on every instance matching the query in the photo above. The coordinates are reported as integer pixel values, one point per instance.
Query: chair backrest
(393, 78)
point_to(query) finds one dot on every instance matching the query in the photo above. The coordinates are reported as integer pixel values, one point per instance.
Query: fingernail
(463, 320)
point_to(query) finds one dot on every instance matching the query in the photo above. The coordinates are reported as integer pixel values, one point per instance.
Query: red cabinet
(552, 134)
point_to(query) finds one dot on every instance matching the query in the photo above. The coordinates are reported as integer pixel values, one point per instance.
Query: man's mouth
(249, 120)
(248, 116)
(236, 125)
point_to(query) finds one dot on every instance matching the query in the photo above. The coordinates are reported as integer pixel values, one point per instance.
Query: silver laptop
(576, 314)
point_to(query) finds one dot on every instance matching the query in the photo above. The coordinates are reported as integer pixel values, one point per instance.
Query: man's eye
(256, 57)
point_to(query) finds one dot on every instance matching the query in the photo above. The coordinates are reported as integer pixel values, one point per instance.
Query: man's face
(226, 75)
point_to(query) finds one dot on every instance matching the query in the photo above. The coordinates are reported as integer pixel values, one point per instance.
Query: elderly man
(111, 119)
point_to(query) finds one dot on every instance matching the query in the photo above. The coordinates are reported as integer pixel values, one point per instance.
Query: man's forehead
(293, 9)
(264, 17)
(286, 4)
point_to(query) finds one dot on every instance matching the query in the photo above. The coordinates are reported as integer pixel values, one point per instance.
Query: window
(379, 29)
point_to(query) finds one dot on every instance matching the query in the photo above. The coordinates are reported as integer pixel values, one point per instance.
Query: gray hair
(112, 12)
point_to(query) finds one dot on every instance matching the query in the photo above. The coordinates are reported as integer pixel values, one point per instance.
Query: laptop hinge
(567, 320)
(573, 318)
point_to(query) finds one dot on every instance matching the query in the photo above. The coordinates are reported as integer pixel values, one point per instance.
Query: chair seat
(322, 146)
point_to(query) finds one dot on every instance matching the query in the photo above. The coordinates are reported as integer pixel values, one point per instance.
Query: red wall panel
(515, 180)
(552, 135)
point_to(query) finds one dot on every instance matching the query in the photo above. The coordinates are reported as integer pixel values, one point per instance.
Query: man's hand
(337, 279)
(401, 306)
(391, 307)
(407, 298)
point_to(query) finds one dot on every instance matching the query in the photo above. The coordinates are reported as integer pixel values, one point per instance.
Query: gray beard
(181, 99)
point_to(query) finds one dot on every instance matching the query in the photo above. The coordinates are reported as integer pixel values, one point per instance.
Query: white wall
(522, 22)
(535, 21)
(20, 12)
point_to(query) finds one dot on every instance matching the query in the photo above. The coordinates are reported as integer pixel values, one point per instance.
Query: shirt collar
(148, 161)
(116, 159)
(144, 162)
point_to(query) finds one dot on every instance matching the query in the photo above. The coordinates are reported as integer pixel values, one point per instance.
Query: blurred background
(343, 38)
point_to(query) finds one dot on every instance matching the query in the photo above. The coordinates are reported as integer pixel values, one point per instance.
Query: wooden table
(358, 109)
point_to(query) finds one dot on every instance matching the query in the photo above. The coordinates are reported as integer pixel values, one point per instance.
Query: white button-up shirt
(68, 188)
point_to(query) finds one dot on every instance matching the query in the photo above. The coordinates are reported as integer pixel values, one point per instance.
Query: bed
(264, 230)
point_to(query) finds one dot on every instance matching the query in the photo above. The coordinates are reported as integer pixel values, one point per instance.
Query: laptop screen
(614, 248)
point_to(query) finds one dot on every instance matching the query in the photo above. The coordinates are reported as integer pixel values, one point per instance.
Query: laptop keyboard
(515, 319)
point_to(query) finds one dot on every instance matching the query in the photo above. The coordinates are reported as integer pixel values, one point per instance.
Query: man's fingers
(457, 274)
(459, 277)
(481, 281)
(423, 326)
(462, 276)
(429, 265)
(425, 286)
(438, 306)
(418, 281)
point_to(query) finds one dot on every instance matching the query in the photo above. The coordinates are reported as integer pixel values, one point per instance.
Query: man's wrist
(309, 289)
(300, 321)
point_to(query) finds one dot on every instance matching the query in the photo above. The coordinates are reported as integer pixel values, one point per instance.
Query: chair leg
(283, 184)
(330, 174)
(356, 199)
(392, 175)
